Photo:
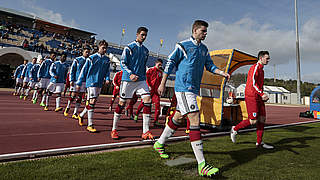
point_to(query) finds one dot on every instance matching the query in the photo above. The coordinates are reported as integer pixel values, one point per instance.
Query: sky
(248, 26)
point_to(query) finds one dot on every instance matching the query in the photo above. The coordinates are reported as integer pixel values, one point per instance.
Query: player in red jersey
(116, 88)
(255, 98)
(154, 77)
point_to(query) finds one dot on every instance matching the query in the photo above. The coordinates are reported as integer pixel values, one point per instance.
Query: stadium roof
(33, 17)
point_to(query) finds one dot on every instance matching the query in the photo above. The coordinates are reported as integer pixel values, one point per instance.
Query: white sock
(43, 98)
(83, 112)
(116, 118)
(197, 147)
(145, 122)
(19, 90)
(76, 107)
(166, 133)
(90, 116)
(27, 92)
(69, 102)
(34, 96)
(47, 100)
(58, 99)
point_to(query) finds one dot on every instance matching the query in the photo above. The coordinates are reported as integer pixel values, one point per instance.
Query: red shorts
(255, 107)
(116, 92)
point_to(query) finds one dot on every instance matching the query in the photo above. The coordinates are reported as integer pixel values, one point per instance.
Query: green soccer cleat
(160, 149)
(135, 118)
(21, 96)
(34, 101)
(207, 170)
(42, 104)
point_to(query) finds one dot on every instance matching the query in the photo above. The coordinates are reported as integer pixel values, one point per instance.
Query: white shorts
(127, 89)
(55, 87)
(82, 88)
(93, 92)
(32, 84)
(26, 79)
(186, 102)
(43, 83)
(19, 80)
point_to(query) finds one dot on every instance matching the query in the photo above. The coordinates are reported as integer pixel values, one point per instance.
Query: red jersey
(154, 77)
(255, 79)
(117, 79)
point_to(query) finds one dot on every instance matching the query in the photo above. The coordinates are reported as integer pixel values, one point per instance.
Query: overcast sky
(249, 26)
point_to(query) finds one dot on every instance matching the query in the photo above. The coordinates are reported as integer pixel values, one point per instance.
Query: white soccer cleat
(264, 145)
(233, 134)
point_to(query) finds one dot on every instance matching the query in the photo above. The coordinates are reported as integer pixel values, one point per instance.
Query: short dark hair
(142, 29)
(262, 53)
(86, 48)
(198, 23)
(103, 42)
(159, 60)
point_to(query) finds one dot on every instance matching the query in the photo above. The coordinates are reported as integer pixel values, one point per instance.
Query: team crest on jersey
(254, 114)
(192, 106)
(123, 94)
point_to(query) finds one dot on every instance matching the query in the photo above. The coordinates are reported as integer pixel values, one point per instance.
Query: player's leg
(70, 100)
(138, 111)
(84, 111)
(156, 101)
(58, 92)
(49, 91)
(260, 127)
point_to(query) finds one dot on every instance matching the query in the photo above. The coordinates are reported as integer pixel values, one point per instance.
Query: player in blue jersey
(189, 57)
(58, 72)
(17, 77)
(34, 81)
(75, 69)
(44, 77)
(133, 64)
(94, 73)
(26, 78)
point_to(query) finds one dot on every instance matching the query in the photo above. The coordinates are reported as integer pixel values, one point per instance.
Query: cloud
(48, 14)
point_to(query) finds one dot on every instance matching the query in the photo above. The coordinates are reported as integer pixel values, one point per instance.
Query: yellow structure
(211, 102)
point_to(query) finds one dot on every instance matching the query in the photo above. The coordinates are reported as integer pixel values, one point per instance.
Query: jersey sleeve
(148, 74)
(174, 58)
(83, 72)
(52, 70)
(209, 64)
(125, 57)
(255, 79)
(73, 71)
(24, 71)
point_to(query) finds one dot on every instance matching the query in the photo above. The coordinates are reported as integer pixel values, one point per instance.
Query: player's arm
(258, 90)
(73, 71)
(148, 75)
(24, 70)
(125, 58)
(211, 67)
(52, 71)
(107, 73)
(83, 72)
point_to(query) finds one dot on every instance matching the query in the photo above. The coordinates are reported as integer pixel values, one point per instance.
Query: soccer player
(44, 77)
(116, 88)
(154, 77)
(74, 73)
(255, 98)
(58, 71)
(189, 57)
(133, 64)
(26, 78)
(17, 76)
(34, 81)
(95, 72)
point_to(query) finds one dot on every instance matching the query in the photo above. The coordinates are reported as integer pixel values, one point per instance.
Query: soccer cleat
(110, 108)
(34, 101)
(58, 109)
(233, 134)
(160, 149)
(14, 94)
(207, 170)
(147, 135)
(135, 118)
(65, 113)
(42, 104)
(80, 121)
(264, 145)
(46, 108)
(91, 129)
(187, 131)
(114, 134)
(75, 116)
(21, 96)
(25, 98)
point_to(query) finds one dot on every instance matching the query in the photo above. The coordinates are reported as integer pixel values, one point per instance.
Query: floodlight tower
(297, 54)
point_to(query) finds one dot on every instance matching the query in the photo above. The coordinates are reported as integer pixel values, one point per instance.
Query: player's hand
(265, 97)
(134, 77)
(161, 89)
(107, 81)
(71, 83)
(56, 77)
(226, 75)
(117, 87)
(78, 88)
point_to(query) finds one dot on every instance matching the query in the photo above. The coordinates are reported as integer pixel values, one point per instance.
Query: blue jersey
(34, 72)
(18, 71)
(44, 69)
(76, 67)
(133, 61)
(189, 58)
(95, 70)
(60, 70)
(26, 70)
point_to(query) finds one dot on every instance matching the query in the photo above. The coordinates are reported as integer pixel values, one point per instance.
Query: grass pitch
(296, 156)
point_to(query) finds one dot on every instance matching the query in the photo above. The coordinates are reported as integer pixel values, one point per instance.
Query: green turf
(296, 156)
